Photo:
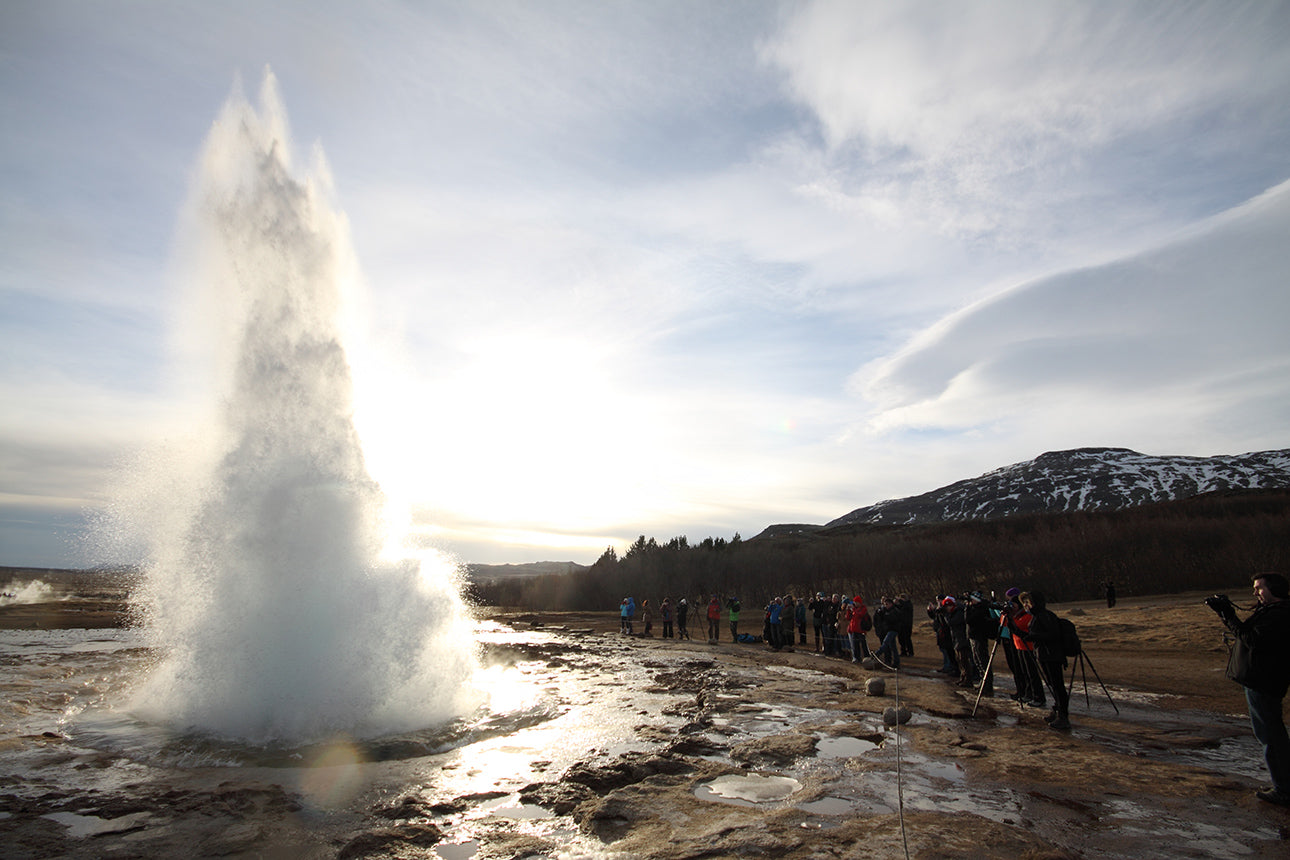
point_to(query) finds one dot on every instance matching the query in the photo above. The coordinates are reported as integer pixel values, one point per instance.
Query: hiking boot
(1051, 716)
(1061, 723)
(1271, 795)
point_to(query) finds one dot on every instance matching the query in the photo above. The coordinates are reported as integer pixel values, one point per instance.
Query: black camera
(1221, 604)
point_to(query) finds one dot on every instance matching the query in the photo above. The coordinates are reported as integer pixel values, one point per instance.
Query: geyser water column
(281, 614)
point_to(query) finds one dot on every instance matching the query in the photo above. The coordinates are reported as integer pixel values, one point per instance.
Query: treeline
(1206, 542)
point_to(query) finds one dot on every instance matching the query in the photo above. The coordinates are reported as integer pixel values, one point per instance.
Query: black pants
(1054, 674)
(1034, 675)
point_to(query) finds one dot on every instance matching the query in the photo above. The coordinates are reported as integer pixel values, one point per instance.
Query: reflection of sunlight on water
(507, 688)
(556, 716)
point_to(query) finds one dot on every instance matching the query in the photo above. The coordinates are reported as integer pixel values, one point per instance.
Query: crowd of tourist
(970, 630)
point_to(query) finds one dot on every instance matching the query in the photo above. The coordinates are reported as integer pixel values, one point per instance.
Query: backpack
(866, 623)
(1070, 638)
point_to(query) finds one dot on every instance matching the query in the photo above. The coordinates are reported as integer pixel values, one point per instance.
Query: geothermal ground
(596, 744)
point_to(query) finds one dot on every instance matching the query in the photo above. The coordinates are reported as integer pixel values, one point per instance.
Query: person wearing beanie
(1046, 635)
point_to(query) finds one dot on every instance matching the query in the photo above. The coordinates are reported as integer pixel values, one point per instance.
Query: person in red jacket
(858, 621)
(714, 620)
(1030, 686)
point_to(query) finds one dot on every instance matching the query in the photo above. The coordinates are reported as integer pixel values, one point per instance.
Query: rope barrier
(900, 785)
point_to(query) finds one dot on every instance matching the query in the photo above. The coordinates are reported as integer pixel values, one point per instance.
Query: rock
(410, 807)
(630, 768)
(236, 839)
(562, 798)
(875, 686)
(775, 749)
(890, 716)
(611, 819)
(388, 840)
(695, 746)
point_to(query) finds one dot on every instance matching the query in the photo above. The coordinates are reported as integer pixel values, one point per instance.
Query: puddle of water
(843, 747)
(511, 808)
(795, 672)
(751, 789)
(82, 826)
(828, 806)
(763, 727)
(1189, 838)
(457, 850)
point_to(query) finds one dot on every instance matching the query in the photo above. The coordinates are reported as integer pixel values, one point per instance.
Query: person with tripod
(1046, 635)
(983, 629)
(1260, 661)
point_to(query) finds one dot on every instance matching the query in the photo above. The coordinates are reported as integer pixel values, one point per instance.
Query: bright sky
(669, 268)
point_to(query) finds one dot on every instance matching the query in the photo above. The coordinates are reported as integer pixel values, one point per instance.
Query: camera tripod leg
(1035, 678)
(985, 677)
(1078, 663)
(1084, 657)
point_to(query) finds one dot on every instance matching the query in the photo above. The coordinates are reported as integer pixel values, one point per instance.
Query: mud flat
(603, 745)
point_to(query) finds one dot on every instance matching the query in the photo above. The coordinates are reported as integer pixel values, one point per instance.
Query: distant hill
(496, 572)
(1083, 479)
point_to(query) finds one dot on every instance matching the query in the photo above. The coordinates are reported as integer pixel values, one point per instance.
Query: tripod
(1080, 662)
(985, 676)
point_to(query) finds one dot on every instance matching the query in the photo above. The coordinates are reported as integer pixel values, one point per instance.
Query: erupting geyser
(281, 614)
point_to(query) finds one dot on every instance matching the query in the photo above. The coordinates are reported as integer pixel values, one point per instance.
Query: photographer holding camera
(1260, 661)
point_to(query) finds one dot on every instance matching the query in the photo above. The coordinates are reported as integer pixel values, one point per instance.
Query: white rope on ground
(900, 787)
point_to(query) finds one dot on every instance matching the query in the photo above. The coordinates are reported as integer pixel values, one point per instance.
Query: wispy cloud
(1029, 122)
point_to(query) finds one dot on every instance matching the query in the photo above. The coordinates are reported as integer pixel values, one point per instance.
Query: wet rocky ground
(632, 747)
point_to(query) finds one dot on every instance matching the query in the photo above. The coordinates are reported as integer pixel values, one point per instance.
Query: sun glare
(523, 432)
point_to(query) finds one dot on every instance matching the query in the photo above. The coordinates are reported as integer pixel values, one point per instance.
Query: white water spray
(281, 615)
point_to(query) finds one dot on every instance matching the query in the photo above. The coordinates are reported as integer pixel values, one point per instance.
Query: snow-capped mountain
(1083, 479)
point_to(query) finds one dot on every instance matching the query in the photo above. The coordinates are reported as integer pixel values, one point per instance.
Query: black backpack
(1070, 638)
